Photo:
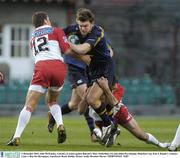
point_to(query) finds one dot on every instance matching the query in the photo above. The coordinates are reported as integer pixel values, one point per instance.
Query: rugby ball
(74, 39)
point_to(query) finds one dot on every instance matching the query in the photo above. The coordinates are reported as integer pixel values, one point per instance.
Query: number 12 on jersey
(40, 44)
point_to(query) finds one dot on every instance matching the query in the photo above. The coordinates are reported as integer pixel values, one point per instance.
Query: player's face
(85, 27)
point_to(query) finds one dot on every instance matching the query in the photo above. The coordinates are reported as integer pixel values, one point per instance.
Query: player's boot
(14, 142)
(163, 145)
(107, 132)
(172, 148)
(114, 134)
(51, 122)
(61, 134)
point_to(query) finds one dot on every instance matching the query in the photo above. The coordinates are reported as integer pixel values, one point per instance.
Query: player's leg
(97, 131)
(124, 118)
(133, 127)
(90, 123)
(83, 105)
(72, 105)
(80, 91)
(55, 109)
(77, 94)
(93, 99)
(78, 79)
(66, 108)
(32, 99)
(176, 140)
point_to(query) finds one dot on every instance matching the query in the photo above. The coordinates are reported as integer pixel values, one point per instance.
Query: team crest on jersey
(79, 81)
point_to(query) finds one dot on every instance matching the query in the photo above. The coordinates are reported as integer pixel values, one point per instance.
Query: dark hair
(38, 18)
(84, 14)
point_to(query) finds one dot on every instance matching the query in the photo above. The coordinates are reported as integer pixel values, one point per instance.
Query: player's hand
(117, 107)
(1, 77)
(103, 83)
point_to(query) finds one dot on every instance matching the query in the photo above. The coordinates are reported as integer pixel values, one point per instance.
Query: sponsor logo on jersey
(43, 31)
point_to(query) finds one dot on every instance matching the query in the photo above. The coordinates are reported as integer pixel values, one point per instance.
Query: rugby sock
(110, 111)
(65, 109)
(101, 111)
(51, 119)
(23, 120)
(176, 140)
(89, 120)
(152, 139)
(56, 113)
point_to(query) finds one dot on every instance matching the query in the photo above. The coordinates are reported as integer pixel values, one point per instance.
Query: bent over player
(122, 116)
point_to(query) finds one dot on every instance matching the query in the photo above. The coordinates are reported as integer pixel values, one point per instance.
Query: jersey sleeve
(95, 36)
(62, 39)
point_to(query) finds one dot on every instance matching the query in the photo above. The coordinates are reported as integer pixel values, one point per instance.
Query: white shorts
(42, 89)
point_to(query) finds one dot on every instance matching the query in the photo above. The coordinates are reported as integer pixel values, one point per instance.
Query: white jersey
(48, 43)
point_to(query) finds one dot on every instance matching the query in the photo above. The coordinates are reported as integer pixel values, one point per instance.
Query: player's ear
(45, 22)
(92, 23)
(77, 20)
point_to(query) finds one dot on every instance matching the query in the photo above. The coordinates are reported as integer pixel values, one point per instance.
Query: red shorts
(118, 91)
(122, 116)
(49, 73)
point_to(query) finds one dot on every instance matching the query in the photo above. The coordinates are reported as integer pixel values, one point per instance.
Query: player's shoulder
(97, 30)
(71, 28)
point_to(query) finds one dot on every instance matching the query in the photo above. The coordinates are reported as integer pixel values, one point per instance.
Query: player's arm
(65, 46)
(103, 83)
(80, 48)
(85, 58)
(92, 40)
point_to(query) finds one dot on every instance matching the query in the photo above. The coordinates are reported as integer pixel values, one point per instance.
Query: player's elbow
(68, 51)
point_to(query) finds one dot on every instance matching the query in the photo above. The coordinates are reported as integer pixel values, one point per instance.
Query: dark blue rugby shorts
(77, 76)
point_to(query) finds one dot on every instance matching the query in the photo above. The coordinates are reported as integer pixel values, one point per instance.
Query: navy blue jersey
(68, 59)
(100, 49)
(101, 61)
(96, 38)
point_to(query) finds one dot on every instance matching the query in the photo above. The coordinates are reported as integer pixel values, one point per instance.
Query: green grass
(37, 138)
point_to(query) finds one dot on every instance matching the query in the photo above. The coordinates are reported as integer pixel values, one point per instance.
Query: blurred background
(145, 35)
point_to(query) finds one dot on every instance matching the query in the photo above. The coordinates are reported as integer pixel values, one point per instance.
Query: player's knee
(81, 111)
(72, 105)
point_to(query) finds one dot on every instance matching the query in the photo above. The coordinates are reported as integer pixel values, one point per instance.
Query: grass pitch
(36, 136)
